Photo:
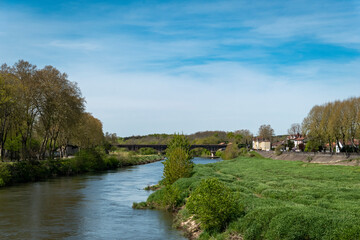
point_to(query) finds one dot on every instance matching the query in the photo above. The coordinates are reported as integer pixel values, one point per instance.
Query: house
(297, 139)
(261, 144)
(276, 144)
(340, 146)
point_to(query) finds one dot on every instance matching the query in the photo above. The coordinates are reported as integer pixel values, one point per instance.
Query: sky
(186, 66)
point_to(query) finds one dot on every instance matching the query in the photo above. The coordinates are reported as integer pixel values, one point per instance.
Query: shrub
(213, 204)
(278, 151)
(88, 160)
(5, 175)
(178, 163)
(170, 197)
(243, 151)
(147, 151)
(111, 162)
(231, 151)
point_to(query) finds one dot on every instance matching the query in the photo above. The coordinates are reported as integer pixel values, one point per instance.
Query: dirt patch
(235, 236)
(191, 228)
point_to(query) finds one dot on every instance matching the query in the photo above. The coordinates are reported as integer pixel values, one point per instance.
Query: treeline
(204, 137)
(42, 111)
(334, 122)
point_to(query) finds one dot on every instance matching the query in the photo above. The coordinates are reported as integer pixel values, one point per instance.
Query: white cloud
(75, 45)
(234, 96)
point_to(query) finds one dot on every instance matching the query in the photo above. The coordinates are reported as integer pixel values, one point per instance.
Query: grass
(282, 199)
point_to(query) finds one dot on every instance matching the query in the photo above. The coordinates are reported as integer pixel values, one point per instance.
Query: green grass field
(284, 199)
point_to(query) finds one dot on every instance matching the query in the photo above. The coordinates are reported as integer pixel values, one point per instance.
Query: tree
(336, 121)
(312, 124)
(25, 72)
(247, 136)
(266, 132)
(234, 137)
(9, 105)
(88, 132)
(59, 105)
(294, 129)
(178, 162)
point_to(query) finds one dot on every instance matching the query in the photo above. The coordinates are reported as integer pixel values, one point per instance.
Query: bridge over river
(162, 147)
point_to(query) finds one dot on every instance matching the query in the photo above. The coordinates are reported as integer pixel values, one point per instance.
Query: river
(96, 206)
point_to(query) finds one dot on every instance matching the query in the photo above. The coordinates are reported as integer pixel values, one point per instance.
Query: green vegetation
(213, 203)
(243, 136)
(274, 199)
(278, 149)
(200, 152)
(89, 160)
(178, 162)
(42, 112)
(334, 122)
(231, 151)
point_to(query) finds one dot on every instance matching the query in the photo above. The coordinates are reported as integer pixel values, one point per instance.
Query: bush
(218, 153)
(213, 204)
(278, 151)
(171, 197)
(147, 151)
(231, 151)
(243, 151)
(111, 162)
(88, 160)
(5, 175)
(178, 163)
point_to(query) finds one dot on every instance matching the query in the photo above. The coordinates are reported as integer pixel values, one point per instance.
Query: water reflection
(86, 207)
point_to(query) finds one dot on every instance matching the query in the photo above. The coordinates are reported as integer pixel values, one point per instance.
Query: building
(261, 144)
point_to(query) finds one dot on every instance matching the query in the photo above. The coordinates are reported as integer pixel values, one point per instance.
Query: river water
(87, 207)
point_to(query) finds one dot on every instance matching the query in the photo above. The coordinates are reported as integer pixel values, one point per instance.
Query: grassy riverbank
(85, 161)
(275, 199)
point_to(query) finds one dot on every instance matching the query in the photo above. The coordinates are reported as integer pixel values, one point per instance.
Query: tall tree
(60, 107)
(88, 132)
(9, 103)
(25, 72)
(266, 132)
(247, 136)
(294, 129)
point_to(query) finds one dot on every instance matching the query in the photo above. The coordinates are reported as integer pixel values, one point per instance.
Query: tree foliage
(266, 132)
(337, 122)
(178, 162)
(231, 151)
(40, 109)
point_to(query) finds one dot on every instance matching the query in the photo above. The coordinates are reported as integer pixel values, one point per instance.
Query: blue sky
(186, 66)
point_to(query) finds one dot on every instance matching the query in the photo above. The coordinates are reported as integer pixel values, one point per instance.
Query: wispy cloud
(189, 66)
(75, 45)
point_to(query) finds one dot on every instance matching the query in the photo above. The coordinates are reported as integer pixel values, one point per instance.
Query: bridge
(162, 147)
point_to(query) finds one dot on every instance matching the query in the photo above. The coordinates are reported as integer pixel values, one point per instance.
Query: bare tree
(294, 129)
(266, 132)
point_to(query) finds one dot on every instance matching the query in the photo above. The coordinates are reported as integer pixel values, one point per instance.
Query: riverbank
(86, 161)
(321, 158)
(275, 199)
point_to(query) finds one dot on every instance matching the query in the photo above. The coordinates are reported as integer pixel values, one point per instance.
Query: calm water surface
(87, 207)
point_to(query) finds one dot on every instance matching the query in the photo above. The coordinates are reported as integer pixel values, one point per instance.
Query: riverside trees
(40, 109)
(337, 122)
